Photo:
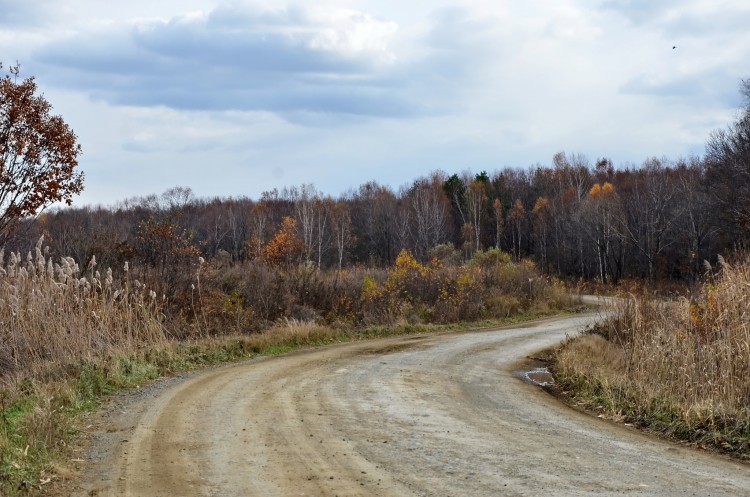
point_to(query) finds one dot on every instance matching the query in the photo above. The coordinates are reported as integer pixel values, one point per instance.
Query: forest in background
(576, 219)
(661, 219)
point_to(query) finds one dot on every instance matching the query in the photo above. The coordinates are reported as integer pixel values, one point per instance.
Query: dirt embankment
(444, 415)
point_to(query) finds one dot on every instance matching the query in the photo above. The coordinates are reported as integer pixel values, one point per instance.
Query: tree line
(660, 219)
(575, 218)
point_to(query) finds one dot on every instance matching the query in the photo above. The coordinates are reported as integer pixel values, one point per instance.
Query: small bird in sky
(674, 46)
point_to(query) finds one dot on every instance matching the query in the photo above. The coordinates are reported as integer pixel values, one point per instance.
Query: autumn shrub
(491, 259)
(377, 302)
(461, 295)
(683, 364)
(165, 258)
(446, 253)
(410, 291)
(259, 295)
(254, 291)
(488, 286)
(344, 287)
(412, 281)
(55, 313)
(314, 291)
(220, 312)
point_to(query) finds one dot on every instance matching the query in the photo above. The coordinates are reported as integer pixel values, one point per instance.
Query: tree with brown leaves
(38, 153)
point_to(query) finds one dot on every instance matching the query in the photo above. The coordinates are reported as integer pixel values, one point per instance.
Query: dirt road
(443, 415)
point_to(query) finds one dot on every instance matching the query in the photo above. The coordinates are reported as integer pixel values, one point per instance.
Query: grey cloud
(239, 15)
(461, 47)
(454, 28)
(14, 13)
(230, 60)
(681, 21)
(677, 88)
(244, 59)
(215, 43)
(640, 11)
(720, 22)
(705, 87)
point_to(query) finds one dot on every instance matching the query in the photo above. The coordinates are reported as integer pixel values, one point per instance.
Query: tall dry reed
(683, 365)
(55, 312)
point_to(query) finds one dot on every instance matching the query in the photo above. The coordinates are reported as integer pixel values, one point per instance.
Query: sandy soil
(438, 415)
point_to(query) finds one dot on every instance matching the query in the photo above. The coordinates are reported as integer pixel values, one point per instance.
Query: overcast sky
(233, 98)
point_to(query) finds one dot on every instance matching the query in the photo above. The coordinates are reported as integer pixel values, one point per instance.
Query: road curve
(437, 415)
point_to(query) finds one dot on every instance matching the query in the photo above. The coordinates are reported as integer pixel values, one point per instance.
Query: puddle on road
(538, 376)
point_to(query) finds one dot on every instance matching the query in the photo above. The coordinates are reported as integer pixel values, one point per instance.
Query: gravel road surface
(436, 415)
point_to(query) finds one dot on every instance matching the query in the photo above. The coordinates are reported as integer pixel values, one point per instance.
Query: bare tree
(574, 171)
(541, 213)
(499, 212)
(428, 207)
(516, 217)
(476, 198)
(699, 223)
(602, 211)
(652, 212)
(728, 172)
(322, 210)
(304, 199)
(259, 227)
(342, 229)
(176, 198)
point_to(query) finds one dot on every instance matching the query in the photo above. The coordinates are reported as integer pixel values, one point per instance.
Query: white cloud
(354, 32)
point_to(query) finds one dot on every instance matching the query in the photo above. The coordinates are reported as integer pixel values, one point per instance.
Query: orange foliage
(601, 191)
(541, 206)
(164, 244)
(285, 246)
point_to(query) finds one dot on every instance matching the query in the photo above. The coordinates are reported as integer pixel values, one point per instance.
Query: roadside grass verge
(680, 368)
(71, 335)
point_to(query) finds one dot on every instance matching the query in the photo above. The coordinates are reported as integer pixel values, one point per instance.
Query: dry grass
(52, 314)
(682, 366)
